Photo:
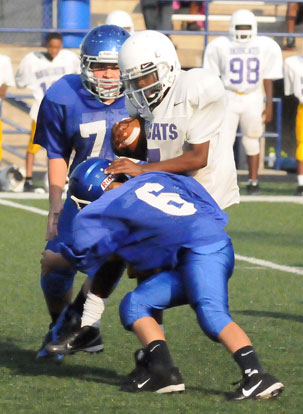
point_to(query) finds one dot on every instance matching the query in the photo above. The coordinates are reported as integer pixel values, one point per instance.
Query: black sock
(29, 180)
(158, 354)
(78, 303)
(54, 316)
(247, 360)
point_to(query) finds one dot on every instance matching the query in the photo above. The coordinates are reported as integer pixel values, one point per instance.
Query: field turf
(267, 302)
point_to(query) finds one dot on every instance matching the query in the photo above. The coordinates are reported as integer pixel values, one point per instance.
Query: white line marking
(271, 265)
(28, 208)
(23, 196)
(272, 199)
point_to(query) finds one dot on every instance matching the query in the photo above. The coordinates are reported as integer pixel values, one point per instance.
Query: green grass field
(267, 303)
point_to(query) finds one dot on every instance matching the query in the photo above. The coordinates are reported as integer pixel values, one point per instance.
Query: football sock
(78, 303)
(158, 354)
(93, 309)
(247, 360)
(29, 180)
(54, 316)
(300, 180)
(252, 182)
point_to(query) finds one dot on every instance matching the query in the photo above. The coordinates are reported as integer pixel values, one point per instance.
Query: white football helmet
(122, 19)
(149, 65)
(243, 18)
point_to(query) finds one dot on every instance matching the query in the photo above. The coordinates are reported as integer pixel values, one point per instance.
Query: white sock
(300, 180)
(93, 309)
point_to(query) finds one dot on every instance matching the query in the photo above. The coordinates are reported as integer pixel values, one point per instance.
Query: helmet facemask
(145, 87)
(101, 88)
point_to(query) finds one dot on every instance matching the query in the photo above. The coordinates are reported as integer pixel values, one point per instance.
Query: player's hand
(267, 114)
(52, 225)
(125, 166)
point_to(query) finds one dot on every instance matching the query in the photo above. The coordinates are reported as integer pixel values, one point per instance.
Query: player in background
(183, 113)
(38, 71)
(121, 18)
(149, 233)
(293, 84)
(246, 63)
(74, 123)
(6, 79)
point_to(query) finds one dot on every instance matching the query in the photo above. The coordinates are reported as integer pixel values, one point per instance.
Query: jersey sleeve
(288, 78)
(23, 74)
(273, 67)
(50, 130)
(7, 74)
(211, 58)
(208, 102)
(95, 238)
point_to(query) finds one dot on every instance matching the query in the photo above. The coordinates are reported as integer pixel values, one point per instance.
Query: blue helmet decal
(88, 180)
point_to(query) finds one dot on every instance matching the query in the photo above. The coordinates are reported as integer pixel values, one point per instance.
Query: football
(128, 138)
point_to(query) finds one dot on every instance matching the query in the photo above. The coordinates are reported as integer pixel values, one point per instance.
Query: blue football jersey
(71, 119)
(147, 221)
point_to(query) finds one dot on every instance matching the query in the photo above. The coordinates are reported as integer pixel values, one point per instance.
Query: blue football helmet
(101, 45)
(88, 181)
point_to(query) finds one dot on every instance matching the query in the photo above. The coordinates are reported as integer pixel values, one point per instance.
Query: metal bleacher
(190, 45)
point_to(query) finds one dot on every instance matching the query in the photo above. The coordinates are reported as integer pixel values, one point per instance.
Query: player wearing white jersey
(293, 85)
(6, 79)
(247, 63)
(183, 110)
(38, 71)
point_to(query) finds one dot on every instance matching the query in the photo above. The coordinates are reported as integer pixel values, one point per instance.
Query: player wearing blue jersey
(74, 122)
(162, 220)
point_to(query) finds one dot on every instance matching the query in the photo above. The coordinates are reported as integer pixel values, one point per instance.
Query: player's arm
(268, 111)
(57, 172)
(3, 89)
(191, 160)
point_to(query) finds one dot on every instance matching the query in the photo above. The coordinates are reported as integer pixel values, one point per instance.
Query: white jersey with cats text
(192, 112)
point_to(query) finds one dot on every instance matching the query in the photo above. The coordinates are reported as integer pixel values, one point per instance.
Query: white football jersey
(293, 76)
(6, 71)
(244, 66)
(38, 73)
(192, 112)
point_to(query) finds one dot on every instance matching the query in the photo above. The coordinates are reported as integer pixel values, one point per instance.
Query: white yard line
(28, 208)
(272, 199)
(271, 265)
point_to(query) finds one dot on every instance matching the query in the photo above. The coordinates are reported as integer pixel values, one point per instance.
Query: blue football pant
(200, 280)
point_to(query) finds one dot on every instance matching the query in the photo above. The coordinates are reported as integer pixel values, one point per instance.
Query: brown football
(126, 133)
(128, 138)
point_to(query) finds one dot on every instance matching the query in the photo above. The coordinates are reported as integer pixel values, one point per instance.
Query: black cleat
(141, 363)
(42, 354)
(29, 187)
(290, 44)
(87, 339)
(155, 379)
(252, 189)
(258, 387)
(299, 191)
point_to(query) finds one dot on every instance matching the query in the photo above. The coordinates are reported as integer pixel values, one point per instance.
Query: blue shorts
(200, 280)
